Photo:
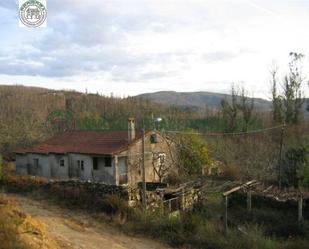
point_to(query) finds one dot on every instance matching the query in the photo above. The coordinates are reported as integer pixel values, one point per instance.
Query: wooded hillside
(30, 114)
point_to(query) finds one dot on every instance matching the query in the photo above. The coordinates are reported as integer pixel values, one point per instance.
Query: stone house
(112, 157)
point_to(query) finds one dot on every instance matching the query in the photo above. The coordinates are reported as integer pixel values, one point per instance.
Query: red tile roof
(84, 142)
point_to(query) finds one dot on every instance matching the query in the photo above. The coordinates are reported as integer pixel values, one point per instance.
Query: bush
(295, 244)
(192, 152)
(174, 179)
(1, 168)
(303, 174)
(295, 165)
(196, 230)
(231, 172)
(113, 204)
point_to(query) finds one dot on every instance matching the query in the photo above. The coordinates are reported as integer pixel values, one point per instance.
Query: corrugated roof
(84, 142)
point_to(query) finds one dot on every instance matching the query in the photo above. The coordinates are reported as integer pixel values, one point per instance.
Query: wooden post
(225, 215)
(300, 211)
(249, 195)
(280, 158)
(183, 199)
(144, 201)
(169, 206)
(116, 170)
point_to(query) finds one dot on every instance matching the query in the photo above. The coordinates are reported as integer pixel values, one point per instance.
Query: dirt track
(77, 230)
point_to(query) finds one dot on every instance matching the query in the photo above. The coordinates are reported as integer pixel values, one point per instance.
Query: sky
(128, 47)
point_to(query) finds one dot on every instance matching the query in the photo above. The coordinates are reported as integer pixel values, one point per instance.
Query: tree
(294, 164)
(287, 107)
(192, 152)
(308, 101)
(91, 122)
(292, 94)
(246, 106)
(276, 99)
(303, 174)
(60, 120)
(163, 162)
(230, 111)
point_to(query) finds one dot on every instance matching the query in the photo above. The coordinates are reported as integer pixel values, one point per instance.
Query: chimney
(131, 129)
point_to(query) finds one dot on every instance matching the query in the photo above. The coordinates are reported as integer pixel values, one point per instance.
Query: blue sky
(133, 46)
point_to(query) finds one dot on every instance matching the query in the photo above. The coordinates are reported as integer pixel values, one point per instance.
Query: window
(162, 157)
(61, 162)
(108, 162)
(95, 165)
(80, 164)
(35, 162)
(154, 138)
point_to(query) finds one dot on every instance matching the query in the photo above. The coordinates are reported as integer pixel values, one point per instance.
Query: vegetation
(29, 115)
(301, 159)
(19, 231)
(239, 113)
(8, 226)
(287, 106)
(230, 111)
(192, 152)
(198, 228)
(295, 165)
(1, 168)
(203, 227)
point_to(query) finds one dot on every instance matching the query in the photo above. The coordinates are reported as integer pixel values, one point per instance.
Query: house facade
(112, 157)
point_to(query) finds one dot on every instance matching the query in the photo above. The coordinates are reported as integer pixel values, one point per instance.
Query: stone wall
(83, 193)
(94, 195)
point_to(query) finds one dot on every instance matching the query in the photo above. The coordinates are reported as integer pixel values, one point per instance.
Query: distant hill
(198, 99)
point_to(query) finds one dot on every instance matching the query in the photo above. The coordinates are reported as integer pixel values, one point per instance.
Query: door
(123, 170)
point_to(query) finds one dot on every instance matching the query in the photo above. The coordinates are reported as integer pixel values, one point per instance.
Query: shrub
(303, 174)
(113, 204)
(1, 168)
(192, 152)
(231, 172)
(294, 165)
(294, 244)
(173, 179)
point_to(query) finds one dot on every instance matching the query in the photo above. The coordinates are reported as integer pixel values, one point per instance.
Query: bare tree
(246, 106)
(276, 98)
(230, 110)
(292, 94)
(163, 162)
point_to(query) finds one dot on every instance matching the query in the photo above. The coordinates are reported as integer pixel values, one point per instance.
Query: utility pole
(144, 201)
(280, 157)
(225, 215)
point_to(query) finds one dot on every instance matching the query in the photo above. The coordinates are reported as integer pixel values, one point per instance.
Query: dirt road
(77, 230)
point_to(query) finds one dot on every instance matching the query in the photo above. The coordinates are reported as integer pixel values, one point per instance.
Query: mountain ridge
(199, 99)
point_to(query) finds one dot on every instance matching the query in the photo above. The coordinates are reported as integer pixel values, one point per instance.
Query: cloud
(9, 4)
(146, 42)
(218, 56)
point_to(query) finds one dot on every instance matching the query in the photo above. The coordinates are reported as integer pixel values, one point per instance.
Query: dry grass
(21, 231)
